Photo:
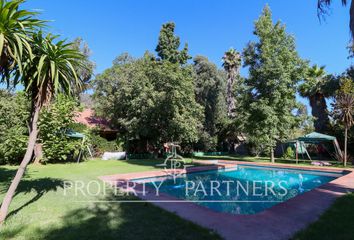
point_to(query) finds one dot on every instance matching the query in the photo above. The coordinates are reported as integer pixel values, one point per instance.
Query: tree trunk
(38, 153)
(230, 99)
(26, 159)
(319, 111)
(345, 146)
(272, 155)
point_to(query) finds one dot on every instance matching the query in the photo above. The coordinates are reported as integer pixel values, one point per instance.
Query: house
(101, 125)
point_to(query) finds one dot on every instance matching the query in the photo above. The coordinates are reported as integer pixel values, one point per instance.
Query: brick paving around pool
(279, 222)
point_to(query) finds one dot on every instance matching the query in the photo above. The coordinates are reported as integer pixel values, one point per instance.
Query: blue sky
(210, 27)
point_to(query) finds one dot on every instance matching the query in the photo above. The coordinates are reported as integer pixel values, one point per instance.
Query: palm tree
(231, 64)
(50, 71)
(322, 6)
(344, 111)
(316, 87)
(15, 27)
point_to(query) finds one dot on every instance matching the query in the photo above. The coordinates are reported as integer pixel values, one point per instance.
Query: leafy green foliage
(168, 45)
(84, 70)
(54, 123)
(346, 86)
(274, 70)
(150, 102)
(97, 144)
(304, 122)
(289, 153)
(101, 145)
(13, 146)
(13, 126)
(210, 94)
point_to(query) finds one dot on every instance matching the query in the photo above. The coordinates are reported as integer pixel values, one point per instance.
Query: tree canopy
(151, 101)
(168, 45)
(274, 70)
(210, 94)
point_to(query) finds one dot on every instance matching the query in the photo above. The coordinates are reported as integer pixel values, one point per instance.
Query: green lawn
(41, 211)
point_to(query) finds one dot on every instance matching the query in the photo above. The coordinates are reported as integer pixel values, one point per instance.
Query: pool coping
(278, 222)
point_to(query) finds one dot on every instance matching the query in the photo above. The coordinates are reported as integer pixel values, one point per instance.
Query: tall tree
(274, 70)
(209, 88)
(323, 5)
(231, 63)
(15, 27)
(317, 85)
(168, 45)
(210, 94)
(150, 101)
(51, 70)
(343, 111)
(84, 73)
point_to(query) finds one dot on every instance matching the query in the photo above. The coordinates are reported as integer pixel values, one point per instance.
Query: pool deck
(278, 222)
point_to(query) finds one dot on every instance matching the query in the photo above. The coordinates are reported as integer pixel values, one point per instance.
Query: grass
(40, 210)
(336, 223)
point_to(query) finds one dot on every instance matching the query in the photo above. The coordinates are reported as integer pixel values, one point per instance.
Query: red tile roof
(88, 118)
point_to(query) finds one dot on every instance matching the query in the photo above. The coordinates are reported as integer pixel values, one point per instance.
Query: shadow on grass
(11, 234)
(6, 175)
(39, 186)
(117, 220)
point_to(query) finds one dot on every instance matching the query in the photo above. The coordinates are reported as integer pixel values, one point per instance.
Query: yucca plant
(343, 111)
(50, 71)
(15, 28)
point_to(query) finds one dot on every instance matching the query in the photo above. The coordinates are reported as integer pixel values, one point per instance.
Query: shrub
(96, 143)
(79, 127)
(13, 126)
(289, 153)
(13, 148)
(206, 142)
(55, 120)
(101, 145)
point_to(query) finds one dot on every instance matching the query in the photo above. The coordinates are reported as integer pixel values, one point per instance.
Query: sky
(210, 27)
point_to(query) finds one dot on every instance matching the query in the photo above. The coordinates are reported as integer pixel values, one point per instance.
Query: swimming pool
(244, 189)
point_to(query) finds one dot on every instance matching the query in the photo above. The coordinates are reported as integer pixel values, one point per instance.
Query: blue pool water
(242, 190)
